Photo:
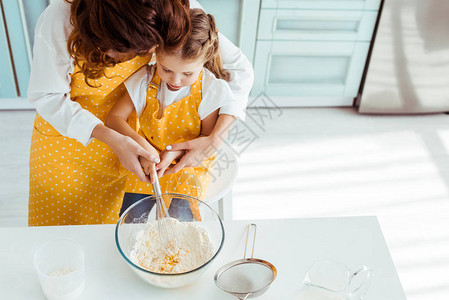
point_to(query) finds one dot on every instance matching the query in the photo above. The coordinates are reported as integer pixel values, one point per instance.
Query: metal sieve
(247, 277)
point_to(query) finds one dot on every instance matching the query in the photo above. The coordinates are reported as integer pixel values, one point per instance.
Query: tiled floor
(318, 162)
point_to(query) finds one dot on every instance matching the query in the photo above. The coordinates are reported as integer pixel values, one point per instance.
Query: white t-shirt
(49, 87)
(215, 92)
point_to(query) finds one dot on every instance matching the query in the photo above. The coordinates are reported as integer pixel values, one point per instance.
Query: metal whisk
(167, 233)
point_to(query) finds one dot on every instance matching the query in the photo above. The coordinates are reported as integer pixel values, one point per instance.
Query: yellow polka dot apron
(69, 182)
(176, 123)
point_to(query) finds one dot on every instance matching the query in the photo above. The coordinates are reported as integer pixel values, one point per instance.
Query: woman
(83, 51)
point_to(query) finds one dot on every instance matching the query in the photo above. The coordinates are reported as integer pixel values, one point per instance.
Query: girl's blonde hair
(202, 43)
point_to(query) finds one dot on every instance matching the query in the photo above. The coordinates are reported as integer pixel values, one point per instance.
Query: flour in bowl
(194, 249)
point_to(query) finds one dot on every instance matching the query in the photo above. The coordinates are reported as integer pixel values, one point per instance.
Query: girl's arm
(208, 123)
(117, 120)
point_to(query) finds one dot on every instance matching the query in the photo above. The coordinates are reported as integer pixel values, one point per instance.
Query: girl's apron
(70, 183)
(178, 123)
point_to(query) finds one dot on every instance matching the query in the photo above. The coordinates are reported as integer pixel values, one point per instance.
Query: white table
(292, 245)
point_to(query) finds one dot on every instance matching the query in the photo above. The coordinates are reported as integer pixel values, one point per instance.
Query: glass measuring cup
(332, 280)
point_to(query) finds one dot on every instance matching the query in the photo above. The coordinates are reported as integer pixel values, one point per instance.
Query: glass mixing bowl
(135, 219)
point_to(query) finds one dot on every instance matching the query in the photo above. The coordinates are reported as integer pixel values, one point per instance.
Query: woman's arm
(202, 147)
(242, 73)
(117, 120)
(190, 158)
(49, 86)
(49, 90)
(242, 77)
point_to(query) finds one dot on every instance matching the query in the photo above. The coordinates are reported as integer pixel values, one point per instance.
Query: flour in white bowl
(194, 248)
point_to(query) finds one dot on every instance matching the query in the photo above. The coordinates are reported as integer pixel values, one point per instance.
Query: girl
(83, 51)
(176, 100)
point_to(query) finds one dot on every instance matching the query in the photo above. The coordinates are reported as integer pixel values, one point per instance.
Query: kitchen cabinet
(7, 80)
(226, 16)
(306, 68)
(311, 52)
(322, 4)
(17, 21)
(325, 25)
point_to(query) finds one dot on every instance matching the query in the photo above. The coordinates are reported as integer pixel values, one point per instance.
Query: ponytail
(214, 64)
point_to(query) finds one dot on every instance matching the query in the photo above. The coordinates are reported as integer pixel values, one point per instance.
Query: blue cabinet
(17, 21)
(226, 16)
(309, 68)
(323, 4)
(312, 52)
(313, 25)
(7, 80)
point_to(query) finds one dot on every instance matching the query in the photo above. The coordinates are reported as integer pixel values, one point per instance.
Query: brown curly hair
(124, 26)
(201, 43)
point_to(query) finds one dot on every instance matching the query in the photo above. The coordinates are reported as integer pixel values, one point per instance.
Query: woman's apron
(69, 182)
(179, 123)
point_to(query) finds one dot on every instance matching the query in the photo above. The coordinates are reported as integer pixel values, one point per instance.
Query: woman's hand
(130, 153)
(196, 151)
(167, 157)
(213, 133)
(127, 150)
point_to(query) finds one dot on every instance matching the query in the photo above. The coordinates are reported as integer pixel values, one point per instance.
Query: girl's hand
(196, 151)
(149, 165)
(167, 157)
(129, 152)
(149, 168)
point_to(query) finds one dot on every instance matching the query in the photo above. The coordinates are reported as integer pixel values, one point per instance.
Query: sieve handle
(254, 239)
